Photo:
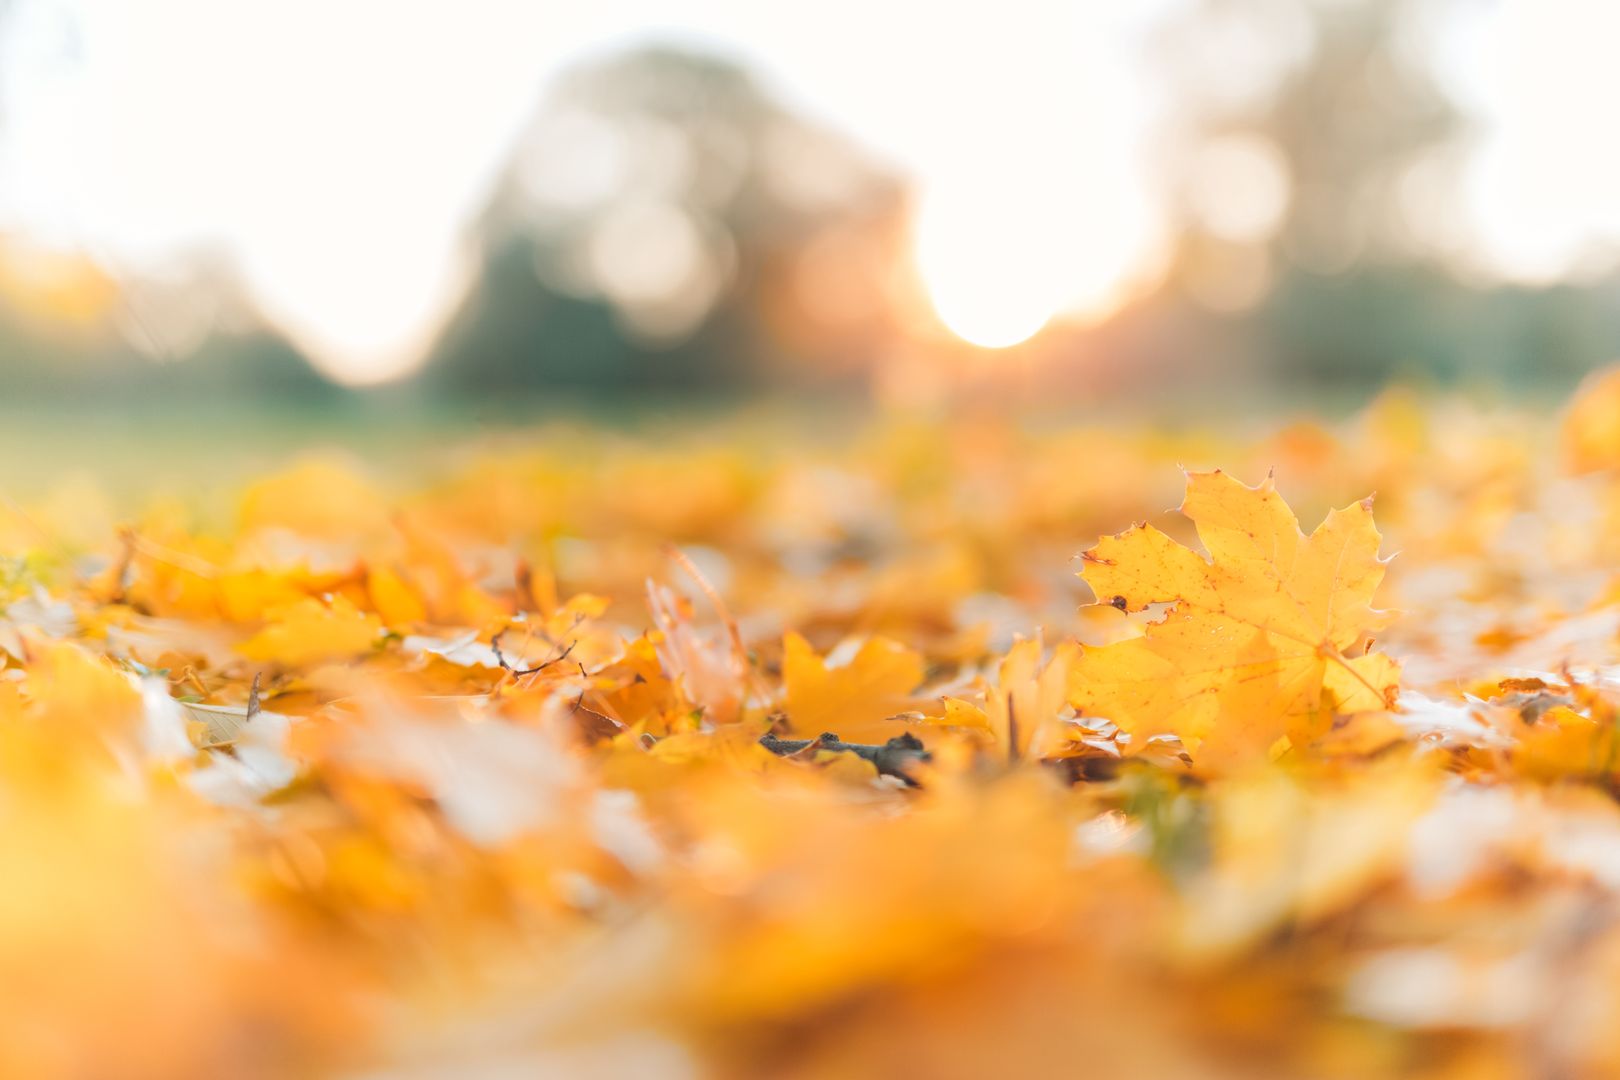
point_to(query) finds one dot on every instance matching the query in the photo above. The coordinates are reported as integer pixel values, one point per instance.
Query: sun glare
(987, 275)
(1000, 264)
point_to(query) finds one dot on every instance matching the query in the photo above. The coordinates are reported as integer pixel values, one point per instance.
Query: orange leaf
(393, 599)
(852, 700)
(1591, 431)
(311, 631)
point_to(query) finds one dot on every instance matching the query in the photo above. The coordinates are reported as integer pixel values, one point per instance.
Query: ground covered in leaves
(943, 749)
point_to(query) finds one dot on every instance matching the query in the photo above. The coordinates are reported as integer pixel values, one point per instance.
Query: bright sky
(336, 149)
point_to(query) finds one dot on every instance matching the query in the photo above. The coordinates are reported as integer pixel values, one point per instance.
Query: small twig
(733, 632)
(523, 579)
(558, 655)
(1012, 731)
(121, 571)
(253, 707)
(684, 561)
(190, 675)
(893, 758)
(601, 726)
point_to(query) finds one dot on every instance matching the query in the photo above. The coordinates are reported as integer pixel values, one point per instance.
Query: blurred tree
(72, 330)
(74, 333)
(654, 229)
(1305, 148)
(1316, 136)
(1351, 123)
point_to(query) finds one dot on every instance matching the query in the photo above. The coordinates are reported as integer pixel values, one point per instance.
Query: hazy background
(500, 206)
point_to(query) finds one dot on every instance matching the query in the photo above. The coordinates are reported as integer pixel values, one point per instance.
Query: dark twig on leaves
(1012, 731)
(593, 725)
(896, 757)
(559, 654)
(121, 571)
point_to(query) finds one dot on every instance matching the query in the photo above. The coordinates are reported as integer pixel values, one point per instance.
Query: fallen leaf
(855, 699)
(310, 631)
(1266, 638)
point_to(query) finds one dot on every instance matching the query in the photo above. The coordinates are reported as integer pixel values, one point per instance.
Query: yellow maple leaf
(311, 631)
(1267, 637)
(1562, 743)
(854, 700)
(1021, 712)
(965, 714)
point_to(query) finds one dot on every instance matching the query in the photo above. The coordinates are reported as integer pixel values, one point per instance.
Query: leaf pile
(760, 755)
